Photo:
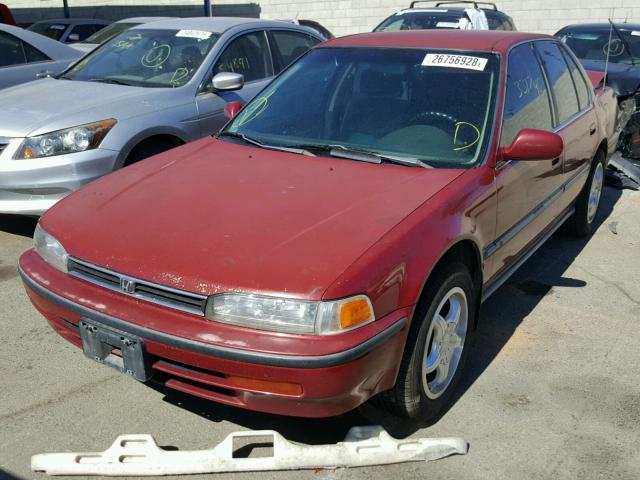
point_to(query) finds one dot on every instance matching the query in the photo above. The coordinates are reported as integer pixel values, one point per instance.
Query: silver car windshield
(432, 105)
(146, 58)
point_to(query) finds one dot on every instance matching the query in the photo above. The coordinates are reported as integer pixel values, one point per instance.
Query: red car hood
(213, 216)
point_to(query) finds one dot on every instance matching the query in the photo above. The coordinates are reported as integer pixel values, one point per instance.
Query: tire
(418, 393)
(581, 223)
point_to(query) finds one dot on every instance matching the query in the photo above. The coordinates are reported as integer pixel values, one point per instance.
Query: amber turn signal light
(354, 313)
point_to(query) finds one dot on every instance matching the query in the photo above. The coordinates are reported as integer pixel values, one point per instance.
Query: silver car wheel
(595, 192)
(444, 343)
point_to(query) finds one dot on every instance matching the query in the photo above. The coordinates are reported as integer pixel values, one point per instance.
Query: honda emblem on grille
(127, 285)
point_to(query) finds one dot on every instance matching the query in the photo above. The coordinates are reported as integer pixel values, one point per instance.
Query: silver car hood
(47, 105)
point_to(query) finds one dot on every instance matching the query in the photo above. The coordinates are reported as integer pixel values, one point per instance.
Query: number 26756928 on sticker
(454, 61)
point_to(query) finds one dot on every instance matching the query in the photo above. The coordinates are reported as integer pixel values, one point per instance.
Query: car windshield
(109, 32)
(435, 106)
(420, 20)
(51, 30)
(146, 58)
(622, 45)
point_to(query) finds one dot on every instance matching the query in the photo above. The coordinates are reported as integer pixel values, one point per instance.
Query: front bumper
(335, 374)
(30, 187)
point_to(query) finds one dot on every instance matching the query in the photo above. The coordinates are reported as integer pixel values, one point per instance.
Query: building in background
(342, 17)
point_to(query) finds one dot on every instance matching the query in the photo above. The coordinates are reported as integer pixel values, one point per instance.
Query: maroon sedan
(335, 240)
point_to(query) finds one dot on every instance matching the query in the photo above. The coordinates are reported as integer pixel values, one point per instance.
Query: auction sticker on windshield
(199, 34)
(454, 61)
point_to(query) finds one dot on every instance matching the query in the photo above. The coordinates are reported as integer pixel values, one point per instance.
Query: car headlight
(61, 142)
(290, 315)
(50, 249)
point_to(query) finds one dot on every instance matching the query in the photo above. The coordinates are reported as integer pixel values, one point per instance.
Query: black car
(442, 16)
(593, 44)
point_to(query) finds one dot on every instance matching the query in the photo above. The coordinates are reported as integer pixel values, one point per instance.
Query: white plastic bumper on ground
(139, 455)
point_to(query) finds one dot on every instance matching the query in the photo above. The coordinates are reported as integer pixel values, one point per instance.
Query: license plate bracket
(100, 341)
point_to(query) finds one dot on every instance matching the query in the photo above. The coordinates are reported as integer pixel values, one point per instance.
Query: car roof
(48, 46)
(485, 40)
(590, 27)
(74, 21)
(140, 20)
(216, 24)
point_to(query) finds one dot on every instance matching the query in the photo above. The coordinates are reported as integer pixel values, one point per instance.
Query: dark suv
(443, 15)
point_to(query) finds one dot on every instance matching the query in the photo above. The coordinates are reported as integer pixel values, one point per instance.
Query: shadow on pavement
(18, 225)
(5, 475)
(501, 315)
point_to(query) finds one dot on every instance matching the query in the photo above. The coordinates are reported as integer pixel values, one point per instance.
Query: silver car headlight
(61, 142)
(290, 315)
(50, 249)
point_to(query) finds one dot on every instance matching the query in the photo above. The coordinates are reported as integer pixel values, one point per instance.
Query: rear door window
(564, 92)
(582, 87)
(249, 55)
(291, 45)
(12, 51)
(33, 54)
(527, 103)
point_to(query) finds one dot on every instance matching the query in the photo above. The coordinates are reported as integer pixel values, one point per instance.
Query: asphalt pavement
(552, 388)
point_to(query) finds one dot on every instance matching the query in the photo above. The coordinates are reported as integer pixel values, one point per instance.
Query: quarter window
(527, 100)
(291, 45)
(560, 80)
(248, 55)
(582, 88)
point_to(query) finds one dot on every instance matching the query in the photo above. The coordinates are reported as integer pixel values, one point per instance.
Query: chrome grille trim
(189, 302)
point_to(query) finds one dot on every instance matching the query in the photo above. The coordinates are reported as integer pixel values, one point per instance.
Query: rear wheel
(581, 223)
(436, 347)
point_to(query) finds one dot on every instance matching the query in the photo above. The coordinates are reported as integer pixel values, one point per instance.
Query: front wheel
(436, 347)
(581, 223)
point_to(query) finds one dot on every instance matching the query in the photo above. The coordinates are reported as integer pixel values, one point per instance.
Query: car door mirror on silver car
(227, 81)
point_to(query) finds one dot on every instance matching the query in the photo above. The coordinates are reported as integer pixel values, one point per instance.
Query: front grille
(134, 287)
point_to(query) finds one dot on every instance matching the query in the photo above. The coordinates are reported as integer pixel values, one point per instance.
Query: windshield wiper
(361, 155)
(111, 80)
(257, 143)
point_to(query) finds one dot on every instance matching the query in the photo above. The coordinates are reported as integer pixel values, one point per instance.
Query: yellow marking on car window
(457, 130)
(179, 75)
(255, 110)
(156, 56)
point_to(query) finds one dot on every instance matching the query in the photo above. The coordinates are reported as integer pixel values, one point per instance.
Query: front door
(248, 54)
(526, 189)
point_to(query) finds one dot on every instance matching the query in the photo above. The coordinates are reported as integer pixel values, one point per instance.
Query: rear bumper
(331, 383)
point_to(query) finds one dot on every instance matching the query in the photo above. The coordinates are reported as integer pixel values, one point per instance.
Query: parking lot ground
(552, 388)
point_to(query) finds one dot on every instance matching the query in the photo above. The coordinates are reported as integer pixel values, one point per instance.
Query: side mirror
(531, 145)
(74, 37)
(227, 81)
(231, 109)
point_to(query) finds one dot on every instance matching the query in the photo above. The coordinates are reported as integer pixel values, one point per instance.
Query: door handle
(44, 74)
(592, 129)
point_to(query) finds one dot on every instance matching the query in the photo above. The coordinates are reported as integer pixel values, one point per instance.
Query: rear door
(248, 54)
(526, 190)
(575, 118)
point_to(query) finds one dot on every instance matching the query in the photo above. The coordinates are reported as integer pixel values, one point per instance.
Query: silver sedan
(147, 90)
(26, 56)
